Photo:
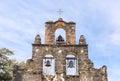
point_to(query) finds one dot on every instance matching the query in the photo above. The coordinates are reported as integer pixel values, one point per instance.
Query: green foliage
(8, 64)
(5, 52)
(4, 59)
(5, 76)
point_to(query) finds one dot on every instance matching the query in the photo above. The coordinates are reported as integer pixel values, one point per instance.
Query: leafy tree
(4, 63)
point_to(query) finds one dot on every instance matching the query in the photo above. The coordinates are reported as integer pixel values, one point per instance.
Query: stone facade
(66, 60)
(69, 27)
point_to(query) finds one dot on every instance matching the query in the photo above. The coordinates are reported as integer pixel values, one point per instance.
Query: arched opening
(60, 35)
(48, 65)
(71, 65)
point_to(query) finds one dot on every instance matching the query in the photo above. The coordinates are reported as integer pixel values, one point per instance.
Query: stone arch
(72, 53)
(48, 52)
(69, 28)
(61, 25)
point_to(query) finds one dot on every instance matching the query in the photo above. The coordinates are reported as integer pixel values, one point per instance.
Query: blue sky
(98, 20)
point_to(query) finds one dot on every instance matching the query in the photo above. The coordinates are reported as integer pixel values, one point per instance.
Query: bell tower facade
(59, 59)
(69, 27)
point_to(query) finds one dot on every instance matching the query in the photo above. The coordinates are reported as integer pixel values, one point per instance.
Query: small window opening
(60, 36)
(48, 65)
(71, 65)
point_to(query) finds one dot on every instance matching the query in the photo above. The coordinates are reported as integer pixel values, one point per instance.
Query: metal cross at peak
(60, 12)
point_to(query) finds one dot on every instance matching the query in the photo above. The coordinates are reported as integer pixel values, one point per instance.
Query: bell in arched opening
(71, 64)
(60, 40)
(48, 63)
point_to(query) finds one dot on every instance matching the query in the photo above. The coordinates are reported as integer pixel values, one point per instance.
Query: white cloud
(114, 73)
(114, 38)
(111, 17)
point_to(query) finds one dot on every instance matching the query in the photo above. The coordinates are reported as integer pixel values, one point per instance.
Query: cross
(60, 12)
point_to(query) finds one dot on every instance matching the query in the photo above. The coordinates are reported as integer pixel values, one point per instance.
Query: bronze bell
(71, 64)
(48, 63)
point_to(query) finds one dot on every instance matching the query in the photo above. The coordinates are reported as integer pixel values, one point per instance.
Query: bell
(71, 64)
(48, 63)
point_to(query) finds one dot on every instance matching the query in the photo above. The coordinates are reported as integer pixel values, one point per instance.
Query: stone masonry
(83, 66)
(69, 28)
